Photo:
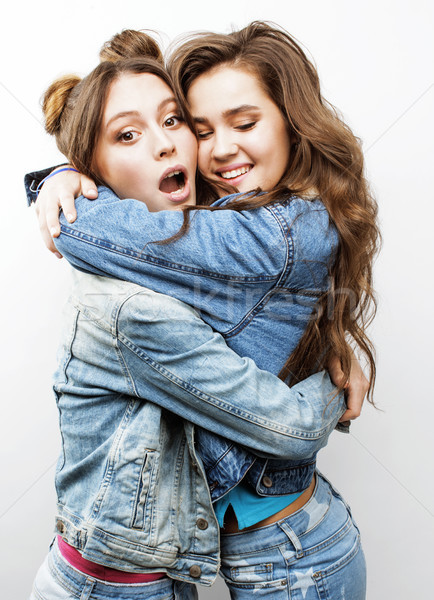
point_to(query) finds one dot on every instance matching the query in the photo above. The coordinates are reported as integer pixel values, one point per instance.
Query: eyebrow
(136, 113)
(125, 113)
(231, 112)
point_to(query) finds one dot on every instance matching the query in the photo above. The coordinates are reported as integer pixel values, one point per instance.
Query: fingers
(48, 241)
(334, 367)
(67, 204)
(349, 415)
(57, 194)
(88, 187)
(355, 396)
(45, 232)
(354, 400)
(358, 387)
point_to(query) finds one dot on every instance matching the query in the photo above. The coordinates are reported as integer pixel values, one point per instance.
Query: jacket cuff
(343, 427)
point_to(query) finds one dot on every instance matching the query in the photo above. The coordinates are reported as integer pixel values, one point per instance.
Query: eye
(204, 135)
(246, 126)
(127, 136)
(173, 121)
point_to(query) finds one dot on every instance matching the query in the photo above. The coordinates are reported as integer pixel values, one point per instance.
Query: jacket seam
(171, 266)
(285, 274)
(289, 245)
(217, 402)
(221, 457)
(78, 521)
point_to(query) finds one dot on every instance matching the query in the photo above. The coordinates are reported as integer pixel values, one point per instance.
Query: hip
(314, 553)
(58, 580)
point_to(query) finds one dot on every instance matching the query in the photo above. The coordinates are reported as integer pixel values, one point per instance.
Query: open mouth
(173, 183)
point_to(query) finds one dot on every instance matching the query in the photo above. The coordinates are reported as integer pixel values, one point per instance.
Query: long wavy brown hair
(326, 158)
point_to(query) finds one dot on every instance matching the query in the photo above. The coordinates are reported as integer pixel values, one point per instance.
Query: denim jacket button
(202, 523)
(267, 482)
(195, 571)
(60, 527)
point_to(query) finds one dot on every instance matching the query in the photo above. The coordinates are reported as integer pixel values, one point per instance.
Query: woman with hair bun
(266, 269)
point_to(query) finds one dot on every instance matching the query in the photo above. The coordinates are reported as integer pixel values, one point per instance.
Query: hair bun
(131, 43)
(55, 99)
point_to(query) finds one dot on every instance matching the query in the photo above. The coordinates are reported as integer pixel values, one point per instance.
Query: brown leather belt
(231, 524)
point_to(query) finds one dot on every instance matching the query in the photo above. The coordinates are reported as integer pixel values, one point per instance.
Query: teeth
(173, 174)
(235, 173)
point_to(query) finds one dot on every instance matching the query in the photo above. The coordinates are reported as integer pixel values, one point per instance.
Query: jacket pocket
(142, 509)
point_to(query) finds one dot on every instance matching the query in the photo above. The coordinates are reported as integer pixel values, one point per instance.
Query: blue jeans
(57, 580)
(314, 554)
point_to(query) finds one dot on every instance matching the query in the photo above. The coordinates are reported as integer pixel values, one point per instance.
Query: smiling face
(243, 137)
(145, 150)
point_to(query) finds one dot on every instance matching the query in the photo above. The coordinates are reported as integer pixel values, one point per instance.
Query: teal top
(249, 508)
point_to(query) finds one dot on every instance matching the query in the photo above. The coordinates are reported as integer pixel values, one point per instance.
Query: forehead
(225, 86)
(136, 91)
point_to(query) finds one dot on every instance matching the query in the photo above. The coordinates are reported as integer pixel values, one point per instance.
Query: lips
(174, 183)
(234, 174)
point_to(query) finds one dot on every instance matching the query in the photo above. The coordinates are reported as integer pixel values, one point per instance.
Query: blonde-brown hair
(131, 43)
(73, 108)
(325, 158)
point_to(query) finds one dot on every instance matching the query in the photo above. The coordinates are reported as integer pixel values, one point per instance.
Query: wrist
(55, 172)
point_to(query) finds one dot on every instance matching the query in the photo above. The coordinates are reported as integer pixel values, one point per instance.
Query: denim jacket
(254, 276)
(136, 372)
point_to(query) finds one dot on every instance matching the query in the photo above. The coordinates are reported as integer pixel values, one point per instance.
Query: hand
(59, 193)
(356, 387)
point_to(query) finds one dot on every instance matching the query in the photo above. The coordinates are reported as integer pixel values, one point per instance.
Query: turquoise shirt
(249, 508)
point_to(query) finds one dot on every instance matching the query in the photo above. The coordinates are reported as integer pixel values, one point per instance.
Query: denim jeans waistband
(77, 582)
(293, 526)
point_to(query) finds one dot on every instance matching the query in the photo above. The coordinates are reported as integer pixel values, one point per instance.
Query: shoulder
(309, 226)
(86, 207)
(296, 205)
(301, 213)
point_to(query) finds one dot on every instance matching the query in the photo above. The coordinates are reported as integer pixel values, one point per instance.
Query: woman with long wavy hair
(264, 270)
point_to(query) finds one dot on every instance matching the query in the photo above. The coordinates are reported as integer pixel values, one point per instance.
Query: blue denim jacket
(136, 372)
(254, 276)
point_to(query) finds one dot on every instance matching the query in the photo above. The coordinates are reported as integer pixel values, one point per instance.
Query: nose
(224, 145)
(163, 144)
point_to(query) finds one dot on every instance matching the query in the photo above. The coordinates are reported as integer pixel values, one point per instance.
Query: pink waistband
(74, 558)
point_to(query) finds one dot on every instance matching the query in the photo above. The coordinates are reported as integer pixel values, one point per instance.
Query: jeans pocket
(278, 590)
(252, 573)
(257, 579)
(344, 579)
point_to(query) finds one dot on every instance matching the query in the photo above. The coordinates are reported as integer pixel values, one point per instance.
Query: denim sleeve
(120, 237)
(177, 361)
(223, 266)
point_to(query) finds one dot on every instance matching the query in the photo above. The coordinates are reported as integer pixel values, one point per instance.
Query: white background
(375, 59)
